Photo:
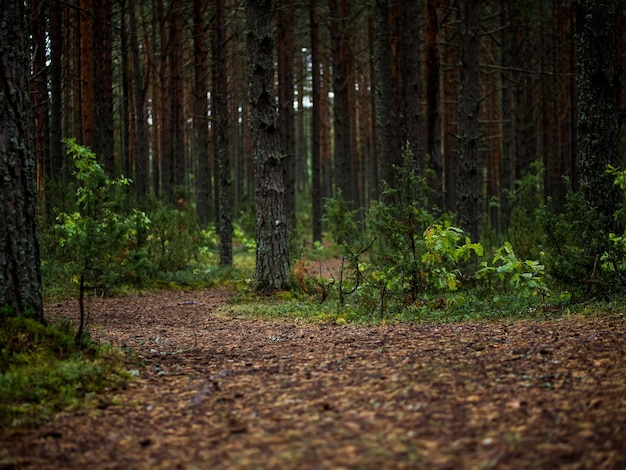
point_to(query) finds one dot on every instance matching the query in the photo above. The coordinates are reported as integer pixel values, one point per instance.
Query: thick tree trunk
(272, 255)
(598, 88)
(286, 121)
(20, 272)
(469, 174)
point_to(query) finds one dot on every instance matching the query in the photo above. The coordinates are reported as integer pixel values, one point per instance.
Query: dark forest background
(146, 84)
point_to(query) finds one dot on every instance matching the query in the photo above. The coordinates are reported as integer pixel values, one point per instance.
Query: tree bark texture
(597, 88)
(286, 120)
(433, 101)
(340, 54)
(20, 272)
(87, 63)
(272, 254)
(389, 155)
(316, 126)
(410, 72)
(222, 145)
(469, 175)
(200, 113)
(142, 162)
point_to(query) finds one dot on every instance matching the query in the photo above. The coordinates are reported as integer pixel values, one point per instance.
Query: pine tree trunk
(200, 113)
(469, 174)
(433, 99)
(222, 152)
(316, 126)
(103, 85)
(142, 165)
(286, 121)
(389, 155)
(342, 151)
(20, 272)
(272, 256)
(598, 86)
(87, 77)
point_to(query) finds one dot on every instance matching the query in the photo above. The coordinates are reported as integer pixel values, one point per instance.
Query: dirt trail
(219, 391)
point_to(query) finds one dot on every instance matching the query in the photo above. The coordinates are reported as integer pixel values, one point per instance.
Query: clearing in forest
(221, 391)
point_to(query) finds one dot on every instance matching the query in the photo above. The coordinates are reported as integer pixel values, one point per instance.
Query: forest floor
(217, 390)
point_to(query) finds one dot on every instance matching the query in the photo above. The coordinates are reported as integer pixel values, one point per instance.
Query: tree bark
(469, 181)
(316, 126)
(389, 155)
(410, 73)
(220, 120)
(286, 121)
(272, 254)
(103, 85)
(178, 177)
(597, 88)
(20, 271)
(340, 54)
(200, 113)
(433, 101)
(87, 96)
(142, 163)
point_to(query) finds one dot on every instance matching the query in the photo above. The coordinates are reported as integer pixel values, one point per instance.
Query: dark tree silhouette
(20, 272)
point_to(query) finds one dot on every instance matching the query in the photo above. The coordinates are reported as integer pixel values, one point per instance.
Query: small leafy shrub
(525, 277)
(175, 238)
(399, 252)
(584, 254)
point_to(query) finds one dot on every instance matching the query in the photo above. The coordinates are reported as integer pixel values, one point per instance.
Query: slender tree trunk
(388, 154)
(433, 99)
(200, 113)
(103, 85)
(56, 170)
(220, 121)
(469, 174)
(142, 164)
(124, 161)
(20, 272)
(166, 144)
(272, 255)
(316, 130)
(178, 177)
(38, 18)
(340, 54)
(410, 72)
(506, 166)
(87, 76)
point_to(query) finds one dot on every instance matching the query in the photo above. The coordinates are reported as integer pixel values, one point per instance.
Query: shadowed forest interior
(476, 88)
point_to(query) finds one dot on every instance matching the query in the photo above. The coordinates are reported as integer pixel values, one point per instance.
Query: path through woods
(221, 391)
